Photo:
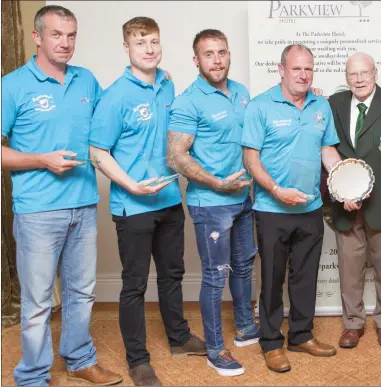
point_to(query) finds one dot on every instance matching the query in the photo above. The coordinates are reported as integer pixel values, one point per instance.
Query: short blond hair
(141, 24)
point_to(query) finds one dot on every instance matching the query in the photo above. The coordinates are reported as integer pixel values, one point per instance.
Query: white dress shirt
(355, 113)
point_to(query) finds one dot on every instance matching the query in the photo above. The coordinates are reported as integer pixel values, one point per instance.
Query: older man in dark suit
(357, 114)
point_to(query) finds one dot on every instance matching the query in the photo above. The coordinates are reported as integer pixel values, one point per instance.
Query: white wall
(99, 48)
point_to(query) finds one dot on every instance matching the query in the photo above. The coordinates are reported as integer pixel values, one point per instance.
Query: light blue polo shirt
(131, 120)
(216, 121)
(290, 142)
(39, 115)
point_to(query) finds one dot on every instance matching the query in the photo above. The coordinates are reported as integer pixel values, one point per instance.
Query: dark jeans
(295, 239)
(160, 233)
(225, 241)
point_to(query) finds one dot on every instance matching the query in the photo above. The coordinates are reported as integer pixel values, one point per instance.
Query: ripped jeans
(225, 241)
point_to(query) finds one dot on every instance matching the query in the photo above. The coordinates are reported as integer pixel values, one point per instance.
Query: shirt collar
(204, 86)
(278, 96)
(160, 77)
(367, 102)
(41, 76)
(207, 88)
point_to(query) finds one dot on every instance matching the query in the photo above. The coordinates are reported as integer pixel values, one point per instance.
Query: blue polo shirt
(290, 142)
(216, 121)
(39, 115)
(131, 120)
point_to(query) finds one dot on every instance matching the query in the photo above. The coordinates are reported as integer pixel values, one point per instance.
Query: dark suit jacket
(368, 149)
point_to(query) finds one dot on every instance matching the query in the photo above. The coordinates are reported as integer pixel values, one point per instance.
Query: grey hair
(51, 9)
(363, 55)
(288, 49)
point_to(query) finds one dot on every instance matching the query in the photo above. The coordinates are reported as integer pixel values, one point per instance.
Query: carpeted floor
(356, 367)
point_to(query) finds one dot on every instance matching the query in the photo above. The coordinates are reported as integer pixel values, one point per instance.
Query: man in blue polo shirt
(288, 132)
(46, 111)
(128, 142)
(207, 121)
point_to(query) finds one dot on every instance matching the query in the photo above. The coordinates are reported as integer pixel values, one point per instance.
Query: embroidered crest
(143, 112)
(43, 103)
(320, 120)
(84, 100)
(319, 117)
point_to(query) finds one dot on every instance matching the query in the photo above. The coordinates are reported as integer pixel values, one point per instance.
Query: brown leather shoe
(194, 346)
(277, 361)
(314, 348)
(378, 331)
(144, 375)
(350, 337)
(95, 375)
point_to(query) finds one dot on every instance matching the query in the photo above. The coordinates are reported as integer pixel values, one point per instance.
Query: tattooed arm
(104, 162)
(178, 158)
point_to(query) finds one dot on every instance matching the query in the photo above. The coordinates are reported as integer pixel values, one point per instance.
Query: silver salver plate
(350, 179)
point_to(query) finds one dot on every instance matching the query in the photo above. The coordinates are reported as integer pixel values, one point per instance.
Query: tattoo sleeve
(4, 140)
(178, 158)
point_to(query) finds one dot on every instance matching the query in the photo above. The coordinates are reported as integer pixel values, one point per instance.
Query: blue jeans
(225, 241)
(41, 240)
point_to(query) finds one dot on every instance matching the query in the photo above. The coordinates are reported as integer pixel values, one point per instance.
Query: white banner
(333, 30)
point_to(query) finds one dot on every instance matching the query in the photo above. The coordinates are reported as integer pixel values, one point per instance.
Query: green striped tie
(360, 120)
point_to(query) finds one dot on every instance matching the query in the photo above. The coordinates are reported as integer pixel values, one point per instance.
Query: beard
(213, 78)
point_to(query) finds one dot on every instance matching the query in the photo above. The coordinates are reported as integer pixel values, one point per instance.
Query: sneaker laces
(227, 356)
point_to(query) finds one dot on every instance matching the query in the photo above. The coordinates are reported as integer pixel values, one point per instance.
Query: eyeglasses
(363, 74)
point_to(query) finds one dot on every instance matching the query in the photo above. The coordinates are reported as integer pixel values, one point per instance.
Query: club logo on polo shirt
(319, 119)
(143, 112)
(44, 103)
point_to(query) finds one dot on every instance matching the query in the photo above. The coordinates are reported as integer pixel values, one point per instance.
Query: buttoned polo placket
(59, 92)
(154, 90)
(301, 169)
(209, 89)
(297, 113)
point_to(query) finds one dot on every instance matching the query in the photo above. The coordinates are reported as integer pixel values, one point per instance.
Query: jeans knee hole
(214, 235)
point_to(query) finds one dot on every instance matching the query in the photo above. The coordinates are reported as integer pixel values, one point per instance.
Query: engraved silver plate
(350, 179)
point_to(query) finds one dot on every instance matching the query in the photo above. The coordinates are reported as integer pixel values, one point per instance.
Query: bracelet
(275, 187)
